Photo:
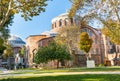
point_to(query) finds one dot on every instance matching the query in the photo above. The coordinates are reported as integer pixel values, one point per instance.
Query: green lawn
(83, 77)
(39, 71)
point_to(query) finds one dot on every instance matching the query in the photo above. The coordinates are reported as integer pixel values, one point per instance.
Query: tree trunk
(88, 56)
(116, 55)
(57, 63)
(74, 58)
(0, 62)
(3, 21)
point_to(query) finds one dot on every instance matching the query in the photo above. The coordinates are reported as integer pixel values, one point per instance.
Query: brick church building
(101, 48)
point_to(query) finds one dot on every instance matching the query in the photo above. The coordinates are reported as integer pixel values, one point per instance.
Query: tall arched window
(52, 26)
(60, 22)
(95, 40)
(71, 20)
(90, 33)
(65, 22)
(97, 51)
(34, 52)
(55, 25)
(84, 30)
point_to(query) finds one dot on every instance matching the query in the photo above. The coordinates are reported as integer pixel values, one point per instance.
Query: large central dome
(61, 16)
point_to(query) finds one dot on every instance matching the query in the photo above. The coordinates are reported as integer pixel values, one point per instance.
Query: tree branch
(116, 11)
(4, 19)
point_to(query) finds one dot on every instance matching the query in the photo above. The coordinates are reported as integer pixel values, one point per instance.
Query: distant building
(32, 46)
(17, 44)
(45, 41)
(62, 21)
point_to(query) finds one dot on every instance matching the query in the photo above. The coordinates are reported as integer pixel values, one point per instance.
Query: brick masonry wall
(80, 59)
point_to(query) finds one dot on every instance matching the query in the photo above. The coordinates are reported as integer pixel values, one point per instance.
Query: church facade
(101, 49)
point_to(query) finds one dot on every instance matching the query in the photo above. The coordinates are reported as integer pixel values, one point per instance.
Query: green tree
(76, 4)
(92, 10)
(101, 10)
(85, 43)
(69, 36)
(4, 31)
(22, 51)
(113, 32)
(2, 47)
(52, 52)
(8, 52)
(106, 12)
(27, 9)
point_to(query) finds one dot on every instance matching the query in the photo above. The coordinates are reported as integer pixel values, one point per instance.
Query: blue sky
(41, 23)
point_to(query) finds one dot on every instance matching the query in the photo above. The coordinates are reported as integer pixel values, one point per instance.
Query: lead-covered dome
(60, 21)
(49, 33)
(16, 41)
(61, 16)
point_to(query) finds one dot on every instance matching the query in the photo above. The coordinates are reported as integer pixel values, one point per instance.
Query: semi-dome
(63, 14)
(16, 41)
(49, 33)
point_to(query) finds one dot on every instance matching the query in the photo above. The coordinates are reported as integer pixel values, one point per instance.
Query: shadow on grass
(94, 69)
(83, 77)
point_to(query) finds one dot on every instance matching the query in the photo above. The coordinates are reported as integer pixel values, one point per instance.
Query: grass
(53, 77)
(39, 71)
(83, 77)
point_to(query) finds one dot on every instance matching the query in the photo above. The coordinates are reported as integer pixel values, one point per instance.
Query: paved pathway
(3, 75)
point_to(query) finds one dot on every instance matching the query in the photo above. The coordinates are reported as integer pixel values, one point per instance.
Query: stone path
(4, 75)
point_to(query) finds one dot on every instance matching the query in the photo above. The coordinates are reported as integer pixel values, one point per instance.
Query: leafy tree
(8, 52)
(100, 9)
(85, 43)
(8, 8)
(4, 31)
(97, 11)
(69, 36)
(75, 6)
(27, 9)
(52, 52)
(113, 32)
(106, 12)
(22, 51)
(5, 49)
(2, 47)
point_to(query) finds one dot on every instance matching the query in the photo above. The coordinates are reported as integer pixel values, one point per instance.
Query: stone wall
(31, 44)
(80, 59)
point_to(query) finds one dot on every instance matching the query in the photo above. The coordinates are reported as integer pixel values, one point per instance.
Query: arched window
(52, 26)
(34, 52)
(84, 30)
(65, 22)
(71, 20)
(90, 33)
(60, 22)
(55, 25)
(97, 51)
(95, 40)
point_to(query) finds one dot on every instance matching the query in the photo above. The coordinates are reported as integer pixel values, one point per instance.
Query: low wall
(80, 59)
